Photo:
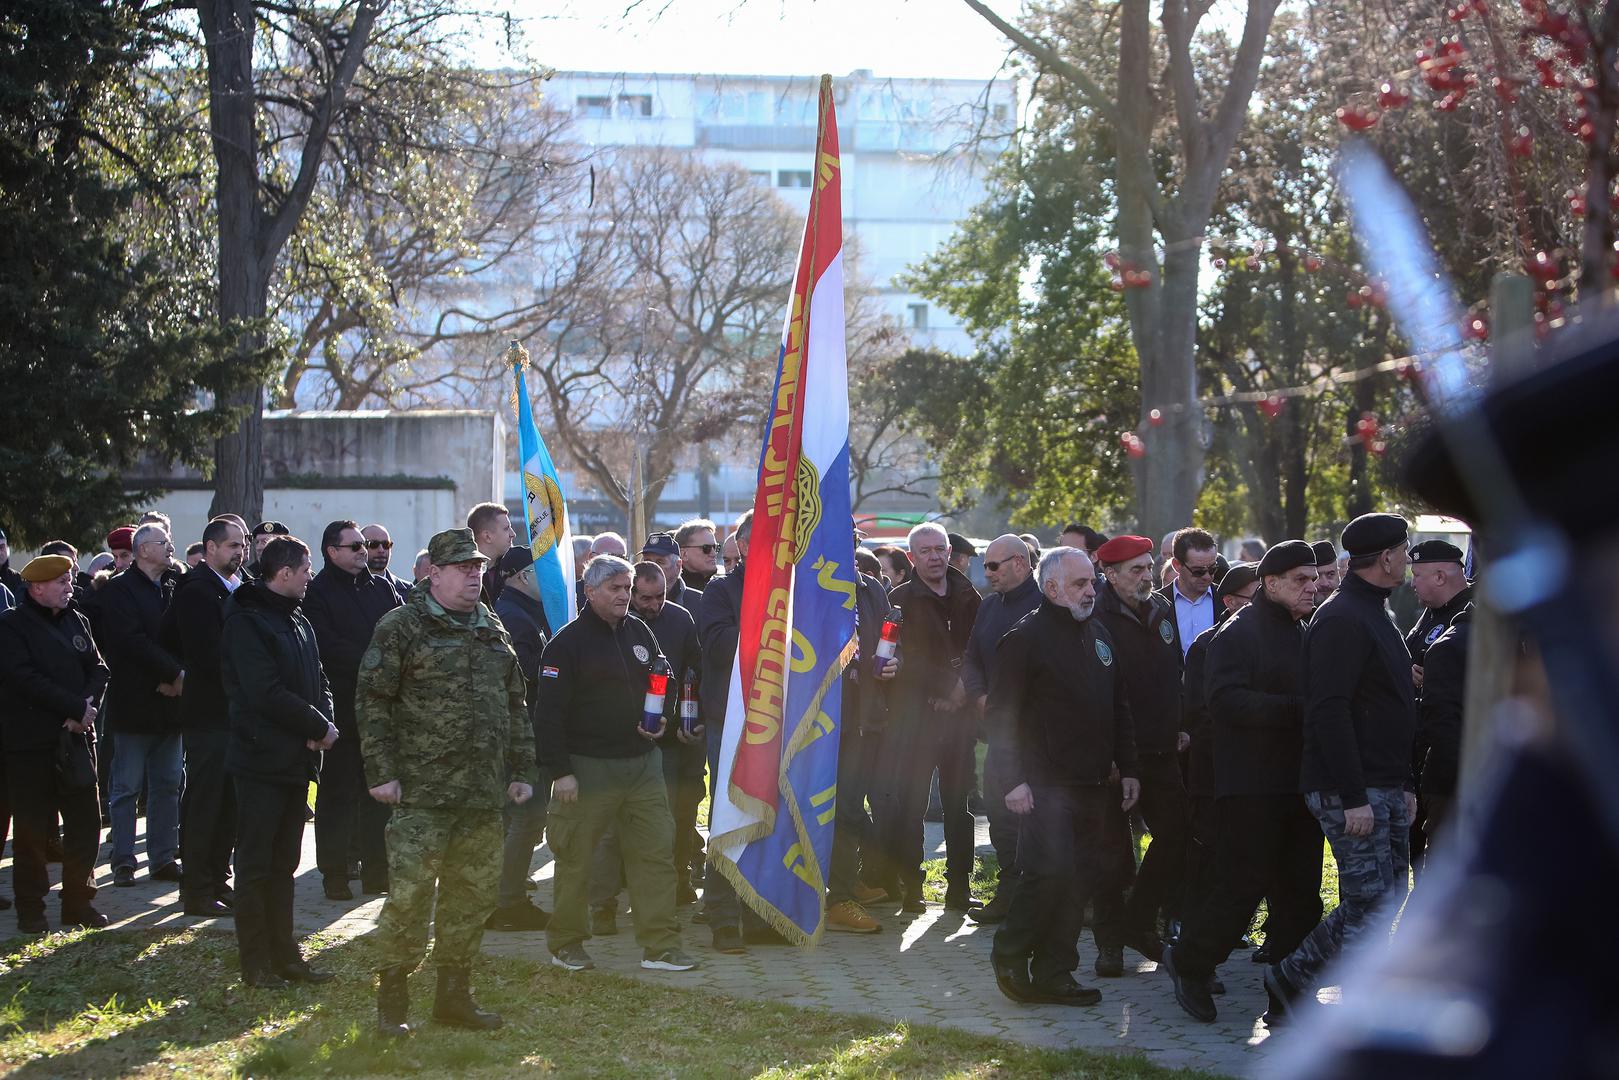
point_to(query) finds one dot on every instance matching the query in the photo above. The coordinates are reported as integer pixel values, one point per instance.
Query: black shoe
(300, 971)
(336, 890)
(123, 876)
(166, 872)
(1262, 955)
(373, 886)
(603, 922)
(33, 924)
(994, 911)
(226, 895)
(209, 909)
(1282, 997)
(728, 940)
(685, 894)
(1064, 993)
(1216, 987)
(393, 1002)
(763, 935)
(453, 1004)
(1012, 982)
(264, 980)
(961, 901)
(523, 915)
(1148, 944)
(1192, 995)
(911, 903)
(1109, 961)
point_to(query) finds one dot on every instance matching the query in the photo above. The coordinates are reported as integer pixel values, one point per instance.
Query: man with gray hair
(1058, 688)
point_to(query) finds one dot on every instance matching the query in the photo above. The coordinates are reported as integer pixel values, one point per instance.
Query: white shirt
(231, 583)
(1192, 617)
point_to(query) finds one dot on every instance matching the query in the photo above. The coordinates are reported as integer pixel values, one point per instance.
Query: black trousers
(37, 798)
(850, 826)
(1161, 878)
(1062, 863)
(1200, 853)
(347, 817)
(207, 817)
(1265, 846)
(929, 741)
(269, 839)
(683, 765)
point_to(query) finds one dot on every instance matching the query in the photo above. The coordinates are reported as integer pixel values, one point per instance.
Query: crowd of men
(1236, 712)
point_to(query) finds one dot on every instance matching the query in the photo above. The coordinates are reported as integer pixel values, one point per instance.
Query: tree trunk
(1171, 474)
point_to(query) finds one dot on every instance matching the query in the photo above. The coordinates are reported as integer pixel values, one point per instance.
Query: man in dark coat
(53, 677)
(1439, 581)
(343, 605)
(193, 629)
(1439, 732)
(379, 546)
(280, 720)
(1266, 843)
(142, 709)
(931, 725)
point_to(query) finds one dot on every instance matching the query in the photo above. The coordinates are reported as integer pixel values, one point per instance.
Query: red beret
(121, 538)
(1123, 549)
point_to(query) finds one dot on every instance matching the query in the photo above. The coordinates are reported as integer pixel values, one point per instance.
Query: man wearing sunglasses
(343, 605)
(697, 552)
(379, 548)
(1191, 591)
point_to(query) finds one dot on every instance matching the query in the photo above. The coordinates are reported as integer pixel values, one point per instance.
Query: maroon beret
(121, 538)
(1123, 549)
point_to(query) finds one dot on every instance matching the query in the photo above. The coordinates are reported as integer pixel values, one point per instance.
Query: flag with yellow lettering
(771, 822)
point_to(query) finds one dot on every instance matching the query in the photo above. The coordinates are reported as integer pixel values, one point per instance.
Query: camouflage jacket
(440, 707)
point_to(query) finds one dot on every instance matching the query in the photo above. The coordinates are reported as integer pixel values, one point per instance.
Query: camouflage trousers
(453, 857)
(1373, 877)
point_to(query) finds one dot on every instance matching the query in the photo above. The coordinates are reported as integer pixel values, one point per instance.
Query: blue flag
(543, 508)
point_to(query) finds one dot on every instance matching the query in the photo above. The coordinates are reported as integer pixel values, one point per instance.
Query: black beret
(1372, 533)
(1237, 578)
(517, 558)
(960, 545)
(1556, 432)
(271, 528)
(1288, 555)
(1432, 551)
(1221, 568)
(1325, 553)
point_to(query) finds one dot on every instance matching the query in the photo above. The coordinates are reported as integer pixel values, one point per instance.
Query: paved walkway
(932, 968)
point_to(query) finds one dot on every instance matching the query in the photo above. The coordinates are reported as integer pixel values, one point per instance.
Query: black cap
(660, 543)
(1555, 429)
(1325, 553)
(1288, 555)
(1432, 551)
(1372, 533)
(270, 528)
(1237, 578)
(960, 545)
(517, 558)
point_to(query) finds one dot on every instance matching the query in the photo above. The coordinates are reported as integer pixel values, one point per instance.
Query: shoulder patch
(372, 658)
(1166, 632)
(641, 653)
(80, 643)
(1434, 635)
(1104, 653)
(550, 672)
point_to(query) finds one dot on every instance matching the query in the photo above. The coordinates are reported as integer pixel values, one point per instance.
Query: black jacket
(686, 596)
(1444, 683)
(997, 613)
(1149, 654)
(48, 666)
(1195, 715)
(192, 628)
(343, 609)
(865, 700)
(593, 681)
(1253, 682)
(397, 583)
(1360, 710)
(12, 580)
(1432, 623)
(524, 619)
(279, 698)
(719, 625)
(933, 642)
(1057, 685)
(676, 632)
(129, 629)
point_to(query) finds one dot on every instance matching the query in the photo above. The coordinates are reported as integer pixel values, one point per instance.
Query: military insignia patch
(1166, 632)
(372, 658)
(80, 644)
(1434, 635)
(549, 672)
(641, 654)
(1103, 653)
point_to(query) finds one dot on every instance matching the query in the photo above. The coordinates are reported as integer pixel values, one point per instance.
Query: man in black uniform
(683, 757)
(1013, 594)
(1360, 719)
(343, 605)
(52, 677)
(1058, 687)
(1149, 656)
(522, 612)
(1439, 731)
(1441, 585)
(1266, 843)
(1326, 570)
(192, 630)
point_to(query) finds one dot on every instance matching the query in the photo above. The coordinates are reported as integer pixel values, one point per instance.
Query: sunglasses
(992, 567)
(706, 549)
(380, 545)
(358, 545)
(1198, 571)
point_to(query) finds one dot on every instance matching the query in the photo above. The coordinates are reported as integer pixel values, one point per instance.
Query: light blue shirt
(1192, 617)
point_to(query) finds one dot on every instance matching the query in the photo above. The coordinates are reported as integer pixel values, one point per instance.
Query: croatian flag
(543, 509)
(771, 831)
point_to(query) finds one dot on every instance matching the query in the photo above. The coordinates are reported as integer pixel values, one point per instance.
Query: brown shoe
(868, 894)
(850, 918)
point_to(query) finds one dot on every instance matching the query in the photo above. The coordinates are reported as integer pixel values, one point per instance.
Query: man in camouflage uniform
(446, 739)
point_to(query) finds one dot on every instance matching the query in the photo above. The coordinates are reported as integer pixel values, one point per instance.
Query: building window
(999, 112)
(594, 108)
(635, 105)
(793, 178)
(919, 316)
(760, 175)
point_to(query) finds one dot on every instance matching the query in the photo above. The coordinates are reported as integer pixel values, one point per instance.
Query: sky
(900, 38)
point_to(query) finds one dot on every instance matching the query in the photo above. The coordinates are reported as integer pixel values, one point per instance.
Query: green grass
(106, 1003)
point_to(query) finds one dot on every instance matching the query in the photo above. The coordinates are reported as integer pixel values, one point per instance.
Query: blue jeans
(158, 760)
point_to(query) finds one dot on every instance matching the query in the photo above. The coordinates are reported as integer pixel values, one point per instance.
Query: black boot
(453, 1003)
(393, 1002)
